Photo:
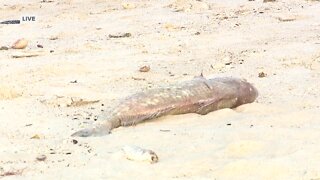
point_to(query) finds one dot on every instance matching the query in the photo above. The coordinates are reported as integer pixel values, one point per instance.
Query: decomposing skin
(199, 95)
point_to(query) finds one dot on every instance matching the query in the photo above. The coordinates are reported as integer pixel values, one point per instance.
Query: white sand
(276, 137)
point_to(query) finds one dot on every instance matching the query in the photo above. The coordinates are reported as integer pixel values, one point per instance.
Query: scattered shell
(12, 172)
(128, 5)
(144, 69)
(20, 44)
(262, 75)
(36, 136)
(41, 157)
(53, 38)
(120, 35)
(138, 79)
(4, 48)
(136, 153)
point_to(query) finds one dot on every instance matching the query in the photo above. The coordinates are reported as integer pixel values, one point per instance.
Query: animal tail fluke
(100, 129)
(95, 131)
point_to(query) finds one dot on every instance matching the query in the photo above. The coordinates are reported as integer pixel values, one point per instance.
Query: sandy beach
(83, 57)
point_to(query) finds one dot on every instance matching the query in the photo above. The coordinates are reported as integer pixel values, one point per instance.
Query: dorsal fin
(201, 76)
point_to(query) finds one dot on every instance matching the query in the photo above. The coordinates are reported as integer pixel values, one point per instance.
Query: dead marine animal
(199, 95)
(136, 153)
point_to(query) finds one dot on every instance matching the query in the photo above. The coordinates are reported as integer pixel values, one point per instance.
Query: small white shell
(136, 153)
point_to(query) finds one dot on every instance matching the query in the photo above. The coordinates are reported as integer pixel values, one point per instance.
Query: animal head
(243, 90)
(247, 93)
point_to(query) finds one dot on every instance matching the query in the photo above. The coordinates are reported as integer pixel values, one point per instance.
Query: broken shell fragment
(20, 44)
(41, 157)
(4, 48)
(262, 74)
(128, 6)
(120, 35)
(136, 153)
(144, 69)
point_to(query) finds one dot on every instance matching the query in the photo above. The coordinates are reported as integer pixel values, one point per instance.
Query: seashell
(20, 44)
(136, 153)
(41, 157)
(144, 69)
